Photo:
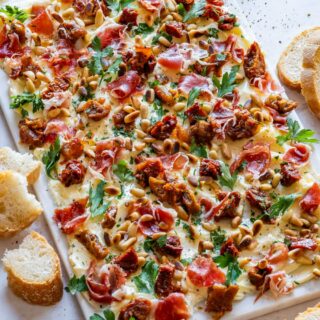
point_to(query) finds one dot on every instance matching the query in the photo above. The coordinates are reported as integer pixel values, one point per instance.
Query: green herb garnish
(15, 13)
(282, 204)
(51, 157)
(227, 179)
(76, 285)
(107, 315)
(145, 281)
(297, 134)
(230, 262)
(20, 100)
(213, 32)
(142, 29)
(218, 237)
(149, 243)
(122, 171)
(193, 95)
(118, 5)
(228, 82)
(196, 10)
(155, 39)
(199, 150)
(96, 203)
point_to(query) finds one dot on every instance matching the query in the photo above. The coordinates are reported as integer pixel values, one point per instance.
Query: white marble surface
(274, 23)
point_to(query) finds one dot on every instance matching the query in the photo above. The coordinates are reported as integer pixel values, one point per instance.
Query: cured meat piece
(138, 309)
(175, 161)
(227, 21)
(70, 218)
(202, 131)
(125, 85)
(220, 298)
(151, 5)
(311, 200)
(111, 34)
(163, 128)
(307, 244)
(297, 155)
(209, 168)
(72, 149)
(190, 81)
(254, 63)
(57, 127)
(173, 307)
(171, 59)
(229, 46)
(103, 280)
(31, 132)
(203, 272)
(10, 44)
(93, 244)
(289, 174)
(73, 173)
(42, 24)
(257, 158)
(280, 104)
(229, 247)
(195, 113)
(258, 199)
(128, 17)
(164, 282)
(257, 275)
(171, 248)
(128, 261)
(147, 169)
(86, 8)
(59, 84)
(109, 219)
(278, 253)
(175, 29)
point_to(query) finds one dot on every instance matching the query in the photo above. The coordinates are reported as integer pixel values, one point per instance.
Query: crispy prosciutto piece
(171, 59)
(70, 218)
(171, 248)
(128, 261)
(31, 132)
(203, 272)
(257, 275)
(42, 24)
(289, 174)
(125, 85)
(258, 199)
(138, 309)
(56, 127)
(278, 253)
(308, 244)
(229, 46)
(111, 34)
(311, 200)
(162, 222)
(297, 155)
(128, 17)
(72, 149)
(220, 298)
(190, 81)
(10, 44)
(257, 158)
(209, 168)
(151, 5)
(175, 161)
(229, 247)
(162, 129)
(103, 280)
(173, 307)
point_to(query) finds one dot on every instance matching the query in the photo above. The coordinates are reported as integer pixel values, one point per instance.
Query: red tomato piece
(203, 272)
(173, 307)
(311, 200)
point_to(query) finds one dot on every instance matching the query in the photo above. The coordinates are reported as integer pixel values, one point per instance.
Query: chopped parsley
(149, 243)
(196, 10)
(213, 32)
(51, 157)
(76, 285)
(122, 171)
(218, 237)
(122, 132)
(186, 261)
(297, 134)
(157, 113)
(227, 179)
(145, 281)
(107, 315)
(198, 150)
(118, 5)
(193, 95)
(282, 204)
(142, 29)
(15, 13)
(96, 202)
(228, 82)
(230, 262)
(155, 39)
(20, 100)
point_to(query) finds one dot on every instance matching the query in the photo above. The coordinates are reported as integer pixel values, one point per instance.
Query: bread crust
(284, 77)
(310, 314)
(309, 74)
(42, 293)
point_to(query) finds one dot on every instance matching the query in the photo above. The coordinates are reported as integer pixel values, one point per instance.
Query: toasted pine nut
(145, 124)
(137, 192)
(131, 116)
(112, 190)
(226, 152)
(245, 230)
(57, 17)
(134, 216)
(304, 260)
(182, 214)
(128, 109)
(208, 226)
(132, 230)
(99, 18)
(30, 75)
(141, 261)
(245, 242)
(53, 113)
(235, 222)
(157, 235)
(179, 106)
(257, 226)
(146, 217)
(69, 13)
(296, 221)
(176, 16)
(139, 146)
(317, 260)
(213, 154)
(265, 187)
(30, 85)
(262, 264)
(244, 261)
(41, 76)
(276, 179)
(124, 226)
(316, 272)
(124, 245)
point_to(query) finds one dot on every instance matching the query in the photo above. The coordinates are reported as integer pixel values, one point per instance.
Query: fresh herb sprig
(198, 150)
(297, 134)
(145, 281)
(122, 171)
(15, 13)
(149, 244)
(51, 157)
(228, 261)
(142, 29)
(196, 10)
(118, 5)
(76, 285)
(218, 237)
(282, 204)
(96, 201)
(227, 179)
(107, 315)
(193, 95)
(20, 100)
(228, 82)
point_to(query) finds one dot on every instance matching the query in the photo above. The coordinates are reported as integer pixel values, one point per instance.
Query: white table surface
(274, 23)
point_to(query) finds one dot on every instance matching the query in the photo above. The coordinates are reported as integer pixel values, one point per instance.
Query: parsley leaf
(96, 316)
(149, 243)
(199, 150)
(15, 13)
(227, 179)
(145, 281)
(228, 81)
(155, 39)
(51, 157)
(117, 5)
(282, 204)
(157, 113)
(218, 237)
(213, 32)
(76, 285)
(230, 262)
(122, 171)
(181, 9)
(112, 71)
(297, 134)
(196, 10)
(20, 100)
(108, 315)
(122, 132)
(96, 203)
(142, 29)
(186, 261)
(193, 95)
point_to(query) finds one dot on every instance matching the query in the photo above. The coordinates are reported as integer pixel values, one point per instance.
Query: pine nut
(226, 152)
(57, 17)
(30, 85)
(53, 113)
(262, 264)
(245, 230)
(157, 235)
(235, 222)
(112, 190)
(41, 76)
(178, 275)
(124, 245)
(182, 214)
(141, 261)
(139, 146)
(317, 260)
(275, 180)
(204, 245)
(129, 118)
(137, 192)
(265, 187)
(134, 216)
(213, 154)
(304, 260)
(179, 106)
(257, 226)
(144, 111)
(296, 221)
(176, 16)
(129, 109)
(245, 242)
(69, 13)
(208, 226)
(99, 18)
(140, 134)
(133, 229)
(145, 124)
(316, 272)
(124, 226)
(146, 217)
(244, 261)
(150, 95)
(30, 75)
(289, 232)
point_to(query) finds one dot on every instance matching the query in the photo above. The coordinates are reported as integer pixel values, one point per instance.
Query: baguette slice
(18, 207)
(310, 314)
(310, 76)
(22, 163)
(290, 63)
(34, 272)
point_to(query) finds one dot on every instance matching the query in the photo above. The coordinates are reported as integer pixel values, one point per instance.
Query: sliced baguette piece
(34, 271)
(290, 62)
(18, 207)
(309, 314)
(22, 163)
(310, 76)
